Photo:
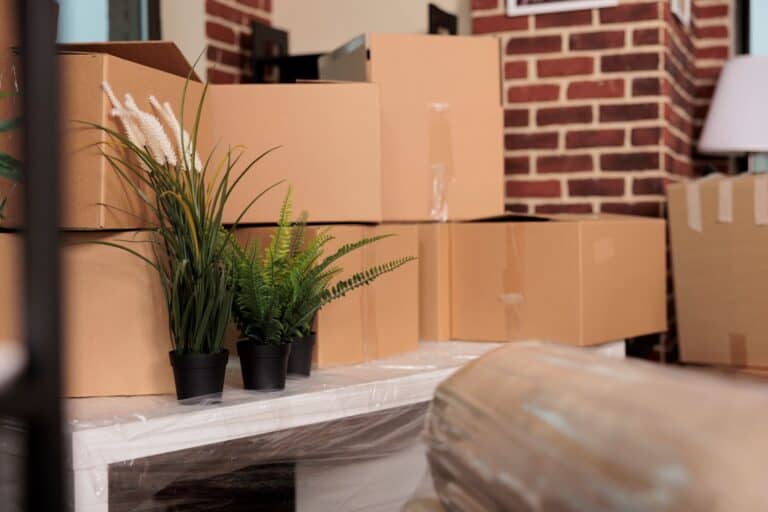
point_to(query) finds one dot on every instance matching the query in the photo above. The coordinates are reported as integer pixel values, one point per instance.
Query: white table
(106, 431)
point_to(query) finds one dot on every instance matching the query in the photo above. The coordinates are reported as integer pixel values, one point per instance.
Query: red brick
(515, 69)
(646, 87)
(596, 89)
(713, 52)
(531, 140)
(564, 115)
(564, 19)
(646, 136)
(710, 73)
(629, 62)
(564, 163)
(596, 187)
(565, 67)
(516, 117)
(710, 32)
(646, 209)
(516, 208)
(705, 92)
(478, 5)
(548, 188)
(594, 138)
(645, 36)
(534, 44)
(634, 112)
(217, 76)
(517, 165)
(629, 161)
(224, 56)
(564, 208)
(220, 10)
(709, 11)
(219, 32)
(597, 40)
(629, 13)
(523, 93)
(488, 24)
(648, 186)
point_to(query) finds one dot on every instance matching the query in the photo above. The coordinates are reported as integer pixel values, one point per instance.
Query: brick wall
(227, 29)
(603, 106)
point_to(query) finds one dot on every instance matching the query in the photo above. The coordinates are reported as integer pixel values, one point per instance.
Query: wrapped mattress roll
(537, 427)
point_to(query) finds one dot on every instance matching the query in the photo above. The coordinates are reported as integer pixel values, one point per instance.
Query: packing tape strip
(511, 278)
(737, 344)
(370, 329)
(725, 201)
(693, 204)
(761, 200)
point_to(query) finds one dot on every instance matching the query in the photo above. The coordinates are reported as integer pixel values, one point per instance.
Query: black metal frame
(35, 398)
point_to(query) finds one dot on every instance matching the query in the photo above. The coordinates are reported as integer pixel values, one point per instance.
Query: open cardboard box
(574, 279)
(329, 135)
(718, 231)
(115, 330)
(441, 118)
(373, 321)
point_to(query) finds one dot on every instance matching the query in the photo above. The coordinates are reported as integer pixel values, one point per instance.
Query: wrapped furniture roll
(535, 427)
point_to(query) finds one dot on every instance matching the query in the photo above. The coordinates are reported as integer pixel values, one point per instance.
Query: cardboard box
(441, 121)
(580, 280)
(434, 281)
(329, 138)
(371, 322)
(115, 329)
(720, 270)
(94, 196)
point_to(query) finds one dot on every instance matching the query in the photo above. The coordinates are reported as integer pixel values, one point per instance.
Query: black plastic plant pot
(264, 366)
(300, 359)
(199, 377)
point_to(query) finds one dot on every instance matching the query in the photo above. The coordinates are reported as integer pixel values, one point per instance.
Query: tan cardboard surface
(720, 278)
(115, 324)
(94, 195)
(370, 322)
(440, 103)
(434, 281)
(581, 281)
(329, 147)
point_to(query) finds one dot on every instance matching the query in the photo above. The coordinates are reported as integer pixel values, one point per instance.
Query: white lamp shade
(737, 121)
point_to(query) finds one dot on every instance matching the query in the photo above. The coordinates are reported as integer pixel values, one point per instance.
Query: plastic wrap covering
(344, 439)
(549, 428)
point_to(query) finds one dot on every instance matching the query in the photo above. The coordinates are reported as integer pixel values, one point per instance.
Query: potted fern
(187, 198)
(280, 289)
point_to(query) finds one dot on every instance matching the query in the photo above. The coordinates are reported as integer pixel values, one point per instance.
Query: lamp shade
(736, 122)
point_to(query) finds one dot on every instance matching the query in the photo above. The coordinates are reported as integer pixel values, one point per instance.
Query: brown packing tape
(737, 345)
(512, 284)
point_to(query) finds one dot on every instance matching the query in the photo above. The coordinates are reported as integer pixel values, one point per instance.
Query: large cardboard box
(371, 322)
(115, 329)
(718, 231)
(441, 115)
(435, 281)
(94, 196)
(329, 137)
(580, 280)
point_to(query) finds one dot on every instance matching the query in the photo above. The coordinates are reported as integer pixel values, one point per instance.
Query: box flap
(162, 55)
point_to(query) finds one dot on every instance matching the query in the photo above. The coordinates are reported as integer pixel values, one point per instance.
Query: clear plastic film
(344, 439)
(440, 160)
(537, 427)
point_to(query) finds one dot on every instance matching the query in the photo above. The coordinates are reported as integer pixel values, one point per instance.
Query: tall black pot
(300, 359)
(199, 377)
(263, 366)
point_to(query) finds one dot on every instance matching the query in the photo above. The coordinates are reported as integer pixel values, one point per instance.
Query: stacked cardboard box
(720, 269)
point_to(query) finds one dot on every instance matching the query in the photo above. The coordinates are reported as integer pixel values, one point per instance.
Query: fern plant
(187, 201)
(280, 288)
